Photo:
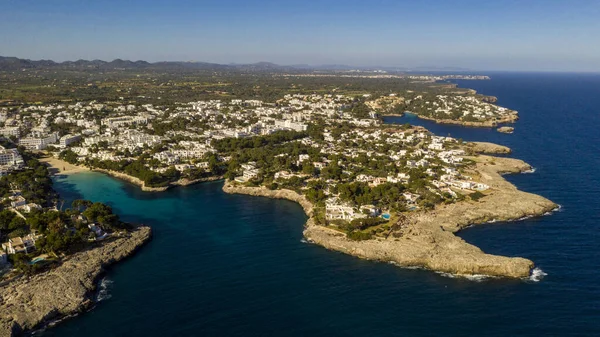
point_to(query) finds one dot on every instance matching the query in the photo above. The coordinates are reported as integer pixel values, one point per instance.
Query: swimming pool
(36, 260)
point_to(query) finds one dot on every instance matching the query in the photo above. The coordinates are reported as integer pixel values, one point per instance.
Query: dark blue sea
(231, 265)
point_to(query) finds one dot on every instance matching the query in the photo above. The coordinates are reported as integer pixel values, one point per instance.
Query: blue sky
(484, 35)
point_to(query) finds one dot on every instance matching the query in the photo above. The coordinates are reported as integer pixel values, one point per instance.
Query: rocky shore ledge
(427, 239)
(28, 303)
(488, 148)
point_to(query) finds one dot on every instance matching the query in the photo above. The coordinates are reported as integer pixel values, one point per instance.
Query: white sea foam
(104, 290)
(51, 324)
(532, 170)
(473, 277)
(404, 267)
(537, 275)
(558, 208)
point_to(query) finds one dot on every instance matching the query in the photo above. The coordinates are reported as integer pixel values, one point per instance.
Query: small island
(506, 129)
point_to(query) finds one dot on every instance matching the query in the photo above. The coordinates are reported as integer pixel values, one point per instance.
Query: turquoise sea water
(231, 265)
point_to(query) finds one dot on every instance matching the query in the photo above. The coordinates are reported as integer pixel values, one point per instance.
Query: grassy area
(384, 227)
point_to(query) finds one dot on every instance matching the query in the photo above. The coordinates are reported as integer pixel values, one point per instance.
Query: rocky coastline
(487, 148)
(427, 239)
(486, 124)
(29, 303)
(138, 182)
(130, 179)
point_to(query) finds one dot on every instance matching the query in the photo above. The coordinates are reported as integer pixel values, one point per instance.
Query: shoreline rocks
(138, 182)
(29, 303)
(488, 148)
(428, 239)
(130, 179)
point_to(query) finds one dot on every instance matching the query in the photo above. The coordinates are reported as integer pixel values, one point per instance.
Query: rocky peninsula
(30, 302)
(427, 239)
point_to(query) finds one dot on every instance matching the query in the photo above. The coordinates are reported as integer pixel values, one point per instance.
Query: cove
(233, 265)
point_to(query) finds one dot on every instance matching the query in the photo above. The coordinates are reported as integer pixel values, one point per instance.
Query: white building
(39, 143)
(10, 131)
(115, 122)
(67, 140)
(11, 157)
(288, 124)
(16, 245)
(336, 210)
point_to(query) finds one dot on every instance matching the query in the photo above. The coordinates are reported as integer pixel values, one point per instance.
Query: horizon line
(357, 67)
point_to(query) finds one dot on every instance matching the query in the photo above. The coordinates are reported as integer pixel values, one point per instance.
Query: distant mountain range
(14, 63)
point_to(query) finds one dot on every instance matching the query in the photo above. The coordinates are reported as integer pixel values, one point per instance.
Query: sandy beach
(58, 166)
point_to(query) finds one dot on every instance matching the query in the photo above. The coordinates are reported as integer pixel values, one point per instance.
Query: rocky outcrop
(188, 182)
(490, 99)
(427, 247)
(506, 129)
(427, 239)
(30, 302)
(131, 179)
(488, 148)
(262, 191)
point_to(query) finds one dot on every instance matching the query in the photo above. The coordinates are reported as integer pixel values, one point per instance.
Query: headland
(427, 239)
(30, 302)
